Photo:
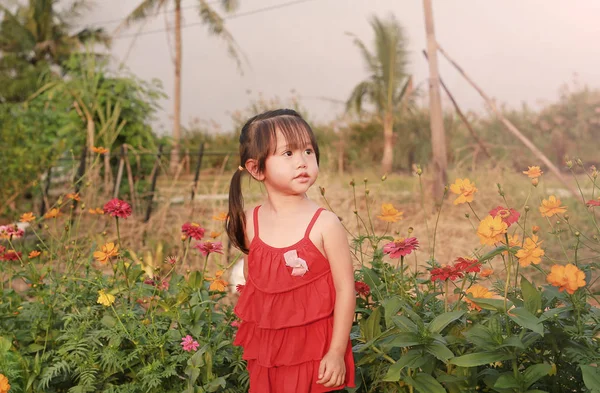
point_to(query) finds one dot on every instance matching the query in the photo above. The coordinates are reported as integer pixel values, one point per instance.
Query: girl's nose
(302, 161)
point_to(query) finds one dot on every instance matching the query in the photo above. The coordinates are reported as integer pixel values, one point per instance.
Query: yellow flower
(34, 254)
(4, 385)
(513, 241)
(27, 217)
(222, 216)
(96, 211)
(531, 252)
(389, 213)
(107, 251)
(478, 292)
(465, 189)
(569, 278)
(106, 299)
(214, 234)
(53, 213)
(491, 230)
(74, 197)
(99, 150)
(217, 283)
(533, 172)
(551, 206)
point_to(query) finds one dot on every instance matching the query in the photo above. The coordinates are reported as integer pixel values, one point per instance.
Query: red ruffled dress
(287, 321)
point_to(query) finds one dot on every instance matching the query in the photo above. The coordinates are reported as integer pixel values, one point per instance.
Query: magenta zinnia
(401, 247)
(189, 344)
(209, 248)
(509, 216)
(117, 208)
(193, 230)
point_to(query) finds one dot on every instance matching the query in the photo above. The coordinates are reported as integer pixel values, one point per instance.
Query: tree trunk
(388, 143)
(438, 136)
(177, 95)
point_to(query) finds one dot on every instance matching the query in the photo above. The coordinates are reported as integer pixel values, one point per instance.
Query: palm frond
(368, 57)
(143, 11)
(364, 89)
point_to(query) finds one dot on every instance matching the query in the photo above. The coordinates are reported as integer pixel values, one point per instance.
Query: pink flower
(239, 288)
(298, 265)
(189, 344)
(171, 260)
(11, 255)
(209, 248)
(509, 216)
(362, 289)
(117, 208)
(401, 247)
(193, 230)
(236, 324)
(11, 232)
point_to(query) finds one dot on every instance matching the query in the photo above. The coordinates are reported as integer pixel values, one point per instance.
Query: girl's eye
(287, 153)
(309, 151)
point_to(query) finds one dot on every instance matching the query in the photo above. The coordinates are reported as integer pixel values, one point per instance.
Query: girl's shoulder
(327, 221)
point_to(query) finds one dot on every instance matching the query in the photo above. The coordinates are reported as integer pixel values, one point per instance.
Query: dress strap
(255, 219)
(312, 222)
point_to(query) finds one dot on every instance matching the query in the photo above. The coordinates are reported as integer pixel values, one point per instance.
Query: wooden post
(438, 136)
(197, 173)
(514, 130)
(119, 173)
(150, 196)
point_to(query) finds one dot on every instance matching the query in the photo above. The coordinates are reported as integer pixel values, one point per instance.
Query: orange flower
(389, 213)
(34, 254)
(53, 213)
(478, 292)
(486, 273)
(214, 234)
(27, 217)
(513, 241)
(569, 278)
(465, 189)
(109, 250)
(533, 172)
(491, 230)
(535, 229)
(551, 206)
(531, 252)
(4, 385)
(99, 150)
(96, 211)
(217, 284)
(73, 196)
(222, 216)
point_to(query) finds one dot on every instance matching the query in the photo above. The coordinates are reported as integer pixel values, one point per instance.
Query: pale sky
(516, 50)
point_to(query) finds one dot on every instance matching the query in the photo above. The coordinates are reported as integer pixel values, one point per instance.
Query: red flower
(593, 202)
(117, 208)
(236, 324)
(362, 289)
(509, 216)
(239, 288)
(193, 230)
(11, 255)
(401, 247)
(467, 265)
(209, 247)
(446, 272)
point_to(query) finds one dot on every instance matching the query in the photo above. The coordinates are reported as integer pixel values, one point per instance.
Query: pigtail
(236, 218)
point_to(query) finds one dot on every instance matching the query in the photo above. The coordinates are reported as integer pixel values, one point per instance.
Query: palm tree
(215, 25)
(387, 86)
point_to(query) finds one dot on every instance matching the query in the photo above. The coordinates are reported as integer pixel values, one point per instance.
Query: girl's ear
(252, 168)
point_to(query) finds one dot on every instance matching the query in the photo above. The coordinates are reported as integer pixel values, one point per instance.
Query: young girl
(298, 302)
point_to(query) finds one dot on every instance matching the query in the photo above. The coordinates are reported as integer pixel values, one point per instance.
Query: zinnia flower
(362, 289)
(11, 255)
(468, 265)
(478, 292)
(193, 230)
(189, 344)
(106, 299)
(117, 208)
(569, 278)
(465, 189)
(107, 251)
(445, 273)
(209, 248)
(401, 247)
(551, 206)
(171, 260)
(34, 254)
(27, 217)
(531, 252)
(533, 172)
(99, 150)
(235, 324)
(509, 216)
(11, 232)
(389, 213)
(217, 284)
(593, 202)
(4, 385)
(53, 213)
(222, 216)
(491, 230)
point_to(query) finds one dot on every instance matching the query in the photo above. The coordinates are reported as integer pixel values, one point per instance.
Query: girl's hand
(332, 370)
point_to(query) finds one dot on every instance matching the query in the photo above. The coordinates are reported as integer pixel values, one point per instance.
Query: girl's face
(291, 170)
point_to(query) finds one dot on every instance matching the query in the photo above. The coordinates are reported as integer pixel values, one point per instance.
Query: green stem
(473, 210)
(425, 213)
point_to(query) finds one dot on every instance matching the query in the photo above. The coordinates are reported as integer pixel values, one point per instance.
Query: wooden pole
(150, 196)
(514, 130)
(119, 173)
(438, 136)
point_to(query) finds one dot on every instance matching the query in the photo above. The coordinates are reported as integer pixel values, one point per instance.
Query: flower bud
(579, 162)
(367, 191)
(183, 238)
(535, 229)
(322, 189)
(410, 230)
(352, 184)
(365, 180)
(566, 216)
(577, 234)
(526, 208)
(384, 177)
(467, 215)
(535, 181)
(569, 164)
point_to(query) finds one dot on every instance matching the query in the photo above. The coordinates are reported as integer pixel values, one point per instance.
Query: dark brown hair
(258, 140)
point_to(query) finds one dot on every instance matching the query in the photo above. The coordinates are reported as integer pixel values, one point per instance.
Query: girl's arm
(337, 251)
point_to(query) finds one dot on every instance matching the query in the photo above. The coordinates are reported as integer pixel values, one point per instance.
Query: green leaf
(371, 328)
(5, 344)
(440, 351)
(535, 372)
(591, 378)
(492, 304)
(493, 253)
(411, 359)
(441, 321)
(527, 320)
(371, 278)
(404, 324)
(391, 306)
(402, 340)
(108, 321)
(513, 341)
(531, 296)
(425, 383)
(480, 358)
(506, 381)
(536, 391)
